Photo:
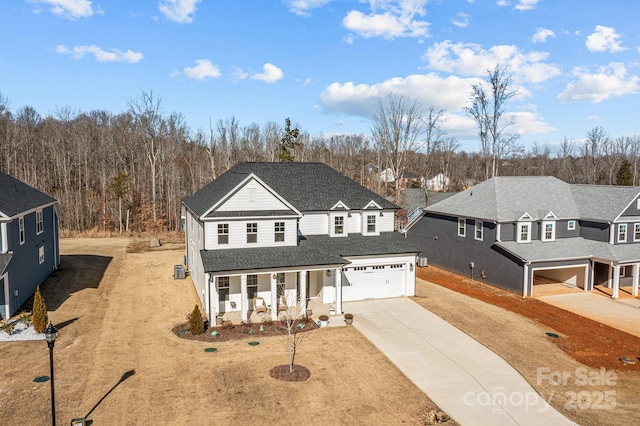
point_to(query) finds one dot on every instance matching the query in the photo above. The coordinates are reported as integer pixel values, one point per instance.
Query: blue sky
(326, 63)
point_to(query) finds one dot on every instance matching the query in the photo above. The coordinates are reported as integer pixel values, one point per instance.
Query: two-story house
(518, 232)
(28, 241)
(298, 230)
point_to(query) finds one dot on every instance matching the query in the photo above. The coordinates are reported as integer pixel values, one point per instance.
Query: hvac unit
(422, 262)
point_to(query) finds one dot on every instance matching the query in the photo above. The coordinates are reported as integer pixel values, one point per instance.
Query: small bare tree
(291, 326)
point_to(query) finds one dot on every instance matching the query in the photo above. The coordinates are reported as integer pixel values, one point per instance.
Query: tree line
(129, 172)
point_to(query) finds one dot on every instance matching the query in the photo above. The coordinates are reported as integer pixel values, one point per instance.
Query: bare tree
(487, 110)
(592, 152)
(397, 129)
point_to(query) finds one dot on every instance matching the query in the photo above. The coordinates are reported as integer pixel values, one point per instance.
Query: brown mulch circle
(231, 332)
(585, 340)
(300, 373)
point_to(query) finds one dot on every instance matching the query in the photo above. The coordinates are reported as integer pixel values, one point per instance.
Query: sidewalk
(465, 379)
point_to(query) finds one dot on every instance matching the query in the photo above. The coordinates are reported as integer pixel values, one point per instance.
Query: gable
(252, 196)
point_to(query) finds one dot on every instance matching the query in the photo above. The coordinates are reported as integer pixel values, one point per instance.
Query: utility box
(178, 272)
(78, 422)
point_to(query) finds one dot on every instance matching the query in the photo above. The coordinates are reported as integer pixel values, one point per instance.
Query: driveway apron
(465, 379)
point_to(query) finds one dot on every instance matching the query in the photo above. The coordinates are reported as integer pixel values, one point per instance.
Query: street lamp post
(50, 335)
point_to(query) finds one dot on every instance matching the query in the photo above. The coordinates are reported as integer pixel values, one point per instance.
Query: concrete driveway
(623, 314)
(465, 379)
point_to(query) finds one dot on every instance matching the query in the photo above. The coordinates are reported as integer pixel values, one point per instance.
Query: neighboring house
(437, 183)
(28, 241)
(518, 232)
(301, 230)
(408, 180)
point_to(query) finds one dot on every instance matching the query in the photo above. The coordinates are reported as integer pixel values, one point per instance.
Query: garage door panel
(373, 282)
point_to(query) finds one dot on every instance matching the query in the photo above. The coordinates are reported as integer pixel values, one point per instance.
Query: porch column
(616, 282)
(243, 297)
(214, 298)
(274, 297)
(636, 279)
(525, 281)
(303, 293)
(338, 274)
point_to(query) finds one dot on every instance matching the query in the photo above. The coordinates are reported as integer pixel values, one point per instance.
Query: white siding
(252, 196)
(314, 224)
(238, 233)
(386, 222)
(355, 222)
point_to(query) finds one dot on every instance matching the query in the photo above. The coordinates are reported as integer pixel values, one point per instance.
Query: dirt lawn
(580, 373)
(117, 362)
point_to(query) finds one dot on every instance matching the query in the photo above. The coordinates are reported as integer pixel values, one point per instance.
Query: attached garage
(547, 279)
(373, 281)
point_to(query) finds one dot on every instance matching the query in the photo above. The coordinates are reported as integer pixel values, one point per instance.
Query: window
(548, 231)
(21, 227)
(461, 227)
(252, 232)
(279, 232)
(378, 267)
(338, 225)
(571, 225)
(252, 286)
(371, 224)
(41, 254)
(223, 233)
(623, 271)
(524, 232)
(622, 232)
(223, 282)
(479, 230)
(280, 283)
(636, 233)
(39, 222)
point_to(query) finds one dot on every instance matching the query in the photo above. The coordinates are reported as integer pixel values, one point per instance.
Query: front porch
(314, 307)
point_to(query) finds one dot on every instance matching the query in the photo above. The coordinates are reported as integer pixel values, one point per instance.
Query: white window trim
(463, 221)
(636, 232)
(21, 231)
(475, 230)
(569, 225)
(41, 255)
(366, 224)
(39, 222)
(620, 228)
(219, 234)
(252, 233)
(276, 232)
(622, 271)
(344, 225)
(519, 236)
(543, 235)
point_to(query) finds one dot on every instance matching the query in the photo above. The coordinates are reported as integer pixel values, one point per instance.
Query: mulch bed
(229, 332)
(587, 341)
(300, 373)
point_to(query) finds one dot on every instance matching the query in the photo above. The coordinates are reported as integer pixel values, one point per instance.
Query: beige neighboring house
(438, 183)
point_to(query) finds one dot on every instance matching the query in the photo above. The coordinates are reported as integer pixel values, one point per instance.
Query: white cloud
(70, 9)
(542, 34)
(503, 3)
(114, 55)
(604, 39)
(303, 7)
(270, 74)
(389, 19)
(203, 70)
(471, 59)
(526, 4)
(609, 81)
(461, 20)
(180, 11)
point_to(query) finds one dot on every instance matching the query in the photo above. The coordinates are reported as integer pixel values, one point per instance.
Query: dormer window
(548, 231)
(622, 233)
(371, 224)
(571, 225)
(338, 225)
(524, 232)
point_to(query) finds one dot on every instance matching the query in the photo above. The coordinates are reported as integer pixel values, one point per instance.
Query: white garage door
(373, 282)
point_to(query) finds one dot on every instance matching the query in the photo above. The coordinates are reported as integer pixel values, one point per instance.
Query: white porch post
(338, 274)
(525, 281)
(303, 293)
(636, 279)
(243, 297)
(616, 282)
(274, 297)
(214, 296)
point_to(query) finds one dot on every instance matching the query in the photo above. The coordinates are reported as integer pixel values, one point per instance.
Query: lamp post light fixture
(50, 335)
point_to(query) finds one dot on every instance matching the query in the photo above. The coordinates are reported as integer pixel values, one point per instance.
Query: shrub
(40, 317)
(7, 326)
(195, 321)
(25, 318)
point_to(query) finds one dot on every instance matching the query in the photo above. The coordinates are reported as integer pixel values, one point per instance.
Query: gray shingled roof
(603, 203)
(507, 198)
(307, 186)
(17, 197)
(316, 250)
(4, 261)
(571, 248)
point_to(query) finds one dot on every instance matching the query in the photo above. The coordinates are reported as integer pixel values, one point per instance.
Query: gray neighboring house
(29, 249)
(517, 232)
(292, 232)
